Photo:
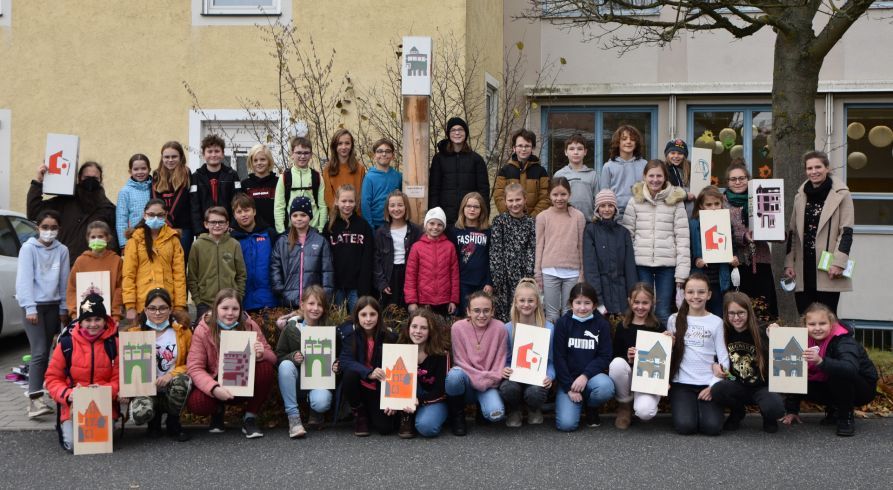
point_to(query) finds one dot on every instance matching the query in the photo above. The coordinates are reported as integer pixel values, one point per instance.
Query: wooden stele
(765, 201)
(318, 348)
(701, 168)
(236, 362)
(400, 362)
(530, 354)
(716, 236)
(62, 161)
(787, 369)
(651, 367)
(416, 91)
(136, 364)
(91, 419)
(98, 282)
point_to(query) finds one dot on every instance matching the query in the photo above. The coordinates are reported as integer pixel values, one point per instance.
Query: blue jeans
(599, 389)
(289, 379)
(458, 384)
(664, 282)
(349, 295)
(430, 418)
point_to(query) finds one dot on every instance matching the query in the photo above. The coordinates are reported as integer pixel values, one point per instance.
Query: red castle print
(398, 381)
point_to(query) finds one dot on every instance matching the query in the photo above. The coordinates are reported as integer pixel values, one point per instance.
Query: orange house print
(398, 381)
(93, 426)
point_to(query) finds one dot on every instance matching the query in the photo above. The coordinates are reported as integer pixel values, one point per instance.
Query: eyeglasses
(523, 147)
(216, 223)
(158, 309)
(302, 153)
(480, 311)
(737, 179)
(457, 130)
(737, 314)
(384, 152)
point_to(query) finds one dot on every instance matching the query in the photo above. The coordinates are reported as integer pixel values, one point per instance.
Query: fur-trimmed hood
(670, 194)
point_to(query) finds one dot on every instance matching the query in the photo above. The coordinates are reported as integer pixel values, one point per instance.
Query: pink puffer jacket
(432, 272)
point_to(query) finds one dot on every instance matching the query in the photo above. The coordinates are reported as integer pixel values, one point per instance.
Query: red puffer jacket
(90, 364)
(432, 272)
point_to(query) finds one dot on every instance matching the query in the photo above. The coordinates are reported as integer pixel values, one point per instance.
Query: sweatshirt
(580, 348)
(132, 201)
(510, 339)
(214, 266)
(743, 363)
(376, 186)
(704, 341)
(87, 262)
(263, 191)
(42, 275)
(584, 187)
(353, 251)
(331, 184)
(619, 175)
(625, 337)
(481, 362)
(559, 240)
(472, 249)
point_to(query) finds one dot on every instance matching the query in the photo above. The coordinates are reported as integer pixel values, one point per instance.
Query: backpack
(287, 181)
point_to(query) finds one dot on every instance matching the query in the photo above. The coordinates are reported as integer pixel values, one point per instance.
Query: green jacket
(302, 185)
(214, 266)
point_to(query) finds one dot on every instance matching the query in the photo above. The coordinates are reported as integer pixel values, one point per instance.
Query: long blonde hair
(335, 213)
(529, 284)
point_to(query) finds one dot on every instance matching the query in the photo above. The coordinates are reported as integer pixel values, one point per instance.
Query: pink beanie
(605, 196)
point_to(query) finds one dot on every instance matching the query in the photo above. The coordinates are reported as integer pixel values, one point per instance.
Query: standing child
(392, 246)
(98, 259)
(639, 316)
(154, 260)
(133, 197)
(455, 170)
(343, 167)
(215, 262)
(471, 235)
(380, 181)
(699, 339)
(432, 270)
(720, 275)
(257, 239)
(609, 263)
(524, 168)
(559, 248)
(353, 250)
(841, 376)
(213, 184)
(625, 164)
(527, 309)
(512, 249)
(41, 276)
(301, 258)
(583, 179)
(261, 184)
(300, 181)
(170, 183)
(676, 155)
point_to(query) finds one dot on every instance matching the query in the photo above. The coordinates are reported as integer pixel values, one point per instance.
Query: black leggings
(362, 398)
(839, 392)
(691, 415)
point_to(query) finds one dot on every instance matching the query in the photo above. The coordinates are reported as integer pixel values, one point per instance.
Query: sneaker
(217, 426)
(534, 416)
(407, 431)
(846, 424)
(249, 428)
(770, 425)
(38, 407)
(295, 428)
(360, 422)
(316, 422)
(592, 418)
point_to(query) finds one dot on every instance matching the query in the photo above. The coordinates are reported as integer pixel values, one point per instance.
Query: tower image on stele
(235, 367)
(93, 426)
(318, 351)
(137, 356)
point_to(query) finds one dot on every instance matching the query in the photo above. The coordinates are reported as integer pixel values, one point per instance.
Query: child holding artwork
(609, 263)
(360, 359)
(747, 380)
(523, 168)
(256, 239)
(841, 376)
(471, 235)
(172, 342)
(209, 397)
(392, 245)
(154, 260)
(213, 184)
(301, 258)
(639, 316)
(512, 249)
(260, 185)
(132, 198)
(343, 167)
(215, 262)
(625, 164)
(479, 344)
(699, 338)
(380, 181)
(300, 181)
(353, 250)
(41, 275)
(314, 307)
(92, 360)
(528, 310)
(97, 259)
(582, 351)
(559, 249)
(432, 270)
(429, 411)
(583, 179)
(719, 275)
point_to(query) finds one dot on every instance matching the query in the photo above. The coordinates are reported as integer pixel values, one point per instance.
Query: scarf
(815, 373)
(739, 200)
(817, 194)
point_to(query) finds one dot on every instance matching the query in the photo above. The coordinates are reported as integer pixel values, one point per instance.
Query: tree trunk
(795, 83)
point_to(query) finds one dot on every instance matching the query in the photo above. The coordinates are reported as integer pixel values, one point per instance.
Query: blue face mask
(157, 326)
(583, 318)
(227, 327)
(155, 223)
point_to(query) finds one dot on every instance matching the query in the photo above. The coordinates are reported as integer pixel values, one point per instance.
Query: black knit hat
(676, 145)
(456, 121)
(92, 306)
(302, 204)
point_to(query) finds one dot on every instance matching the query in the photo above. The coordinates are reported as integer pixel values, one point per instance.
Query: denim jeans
(289, 381)
(664, 282)
(599, 389)
(691, 415)
(458, 384)
(430, 418)
(349, 295)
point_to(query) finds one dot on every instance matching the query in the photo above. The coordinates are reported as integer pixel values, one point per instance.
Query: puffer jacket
(167, 270)
(132, 199)
(432, 272)
(257, 248)
(532, 176)
(452, 175)
(184, 340)
(90, 364)
(214, 266)
(659, 228)
(384, 252)
(294, 269)
(609, 263)
(204, 354)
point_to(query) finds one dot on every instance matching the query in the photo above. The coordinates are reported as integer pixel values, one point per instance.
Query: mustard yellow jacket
(167, 269)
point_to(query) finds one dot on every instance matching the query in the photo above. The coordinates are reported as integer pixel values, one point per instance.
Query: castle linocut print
(236, 362)
(651, 367)
(136, 364)
(318, 347)
(400, 363)
(91, 419)
(787, 369)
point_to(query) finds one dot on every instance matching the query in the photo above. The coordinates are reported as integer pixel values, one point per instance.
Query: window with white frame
(869, 163)
(242, 7)
(491, 102)
(733, 132)
(240, 131)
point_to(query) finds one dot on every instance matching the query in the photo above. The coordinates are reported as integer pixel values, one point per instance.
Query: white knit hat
(435, 213)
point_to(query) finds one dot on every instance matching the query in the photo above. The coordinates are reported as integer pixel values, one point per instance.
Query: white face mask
(48, 236)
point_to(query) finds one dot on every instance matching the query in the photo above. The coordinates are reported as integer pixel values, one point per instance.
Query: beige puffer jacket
(659, 226)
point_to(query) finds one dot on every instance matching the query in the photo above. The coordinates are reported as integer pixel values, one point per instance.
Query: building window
(492, 122)
(240, 131)
(605, 7)
(733, 132)
(242, 7)
(597, 125)
(869, 162)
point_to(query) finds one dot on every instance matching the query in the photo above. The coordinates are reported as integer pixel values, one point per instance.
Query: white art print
(61, 159)
(651, 367)
(716, 236)
(765, 200)
(787, 368)
(236, 362)
(701, 165)
(530, 354)
(400, 363)
(318, 348)
(416, 68)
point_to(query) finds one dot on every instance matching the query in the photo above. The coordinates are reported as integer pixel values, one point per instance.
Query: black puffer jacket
(609, 263)
(384, 252)
(452, 175)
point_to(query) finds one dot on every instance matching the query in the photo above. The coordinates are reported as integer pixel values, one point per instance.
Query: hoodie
(353, 253)
(132, 201)
(376, 186)
(214, 266)
(580, 348)
(42, 275)
(584, 187)
(619, 175)
(263, 191)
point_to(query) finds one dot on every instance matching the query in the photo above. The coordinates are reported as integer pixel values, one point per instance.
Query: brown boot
(361, 422)
(624, 415)
(406, 426)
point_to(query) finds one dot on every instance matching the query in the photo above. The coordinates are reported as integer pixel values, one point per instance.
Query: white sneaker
(295, 428)
(534, 417)
(38, 407)
(513, 419)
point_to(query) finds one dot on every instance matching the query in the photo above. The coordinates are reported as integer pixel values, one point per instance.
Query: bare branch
(840, 22)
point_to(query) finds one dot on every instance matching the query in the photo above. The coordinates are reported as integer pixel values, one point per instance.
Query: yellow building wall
(112, 72)
(485, 37)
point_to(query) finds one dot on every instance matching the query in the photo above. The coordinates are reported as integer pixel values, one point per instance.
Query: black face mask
(90, 184)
